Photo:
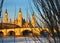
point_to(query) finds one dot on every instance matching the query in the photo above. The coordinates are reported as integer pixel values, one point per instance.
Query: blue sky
(13, 7)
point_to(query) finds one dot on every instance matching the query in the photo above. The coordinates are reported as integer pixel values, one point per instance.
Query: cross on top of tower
(33, 14)
(6, 11)
(20, 10)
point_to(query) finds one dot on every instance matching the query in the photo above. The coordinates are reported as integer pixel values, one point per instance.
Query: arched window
(26, 33)
(1, 34)
(11, 33)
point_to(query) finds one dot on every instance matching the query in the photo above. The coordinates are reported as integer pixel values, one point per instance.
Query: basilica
(19, 26)
(19, 20)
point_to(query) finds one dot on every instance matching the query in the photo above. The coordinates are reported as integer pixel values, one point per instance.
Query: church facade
(19, 26)
(19, 20)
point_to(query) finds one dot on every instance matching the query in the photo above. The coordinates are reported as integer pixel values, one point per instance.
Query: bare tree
(1, 4)
(51, 14)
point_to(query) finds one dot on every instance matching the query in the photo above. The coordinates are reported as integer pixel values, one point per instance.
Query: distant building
(6, 17)
(19, 26)
(19, 20)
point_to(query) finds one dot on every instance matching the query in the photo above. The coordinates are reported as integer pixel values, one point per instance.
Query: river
(25, 40)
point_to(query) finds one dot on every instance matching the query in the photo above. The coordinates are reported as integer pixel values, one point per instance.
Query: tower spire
(20, 10)
(6, 17)
(33, 20)
(33, 14)
(6, 11)
(20, 18)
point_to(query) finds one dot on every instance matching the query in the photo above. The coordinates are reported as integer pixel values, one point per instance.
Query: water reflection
(25, 40)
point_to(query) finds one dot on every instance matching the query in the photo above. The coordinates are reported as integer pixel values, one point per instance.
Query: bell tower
(20, 18)
(6, 17)
(33, 20)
